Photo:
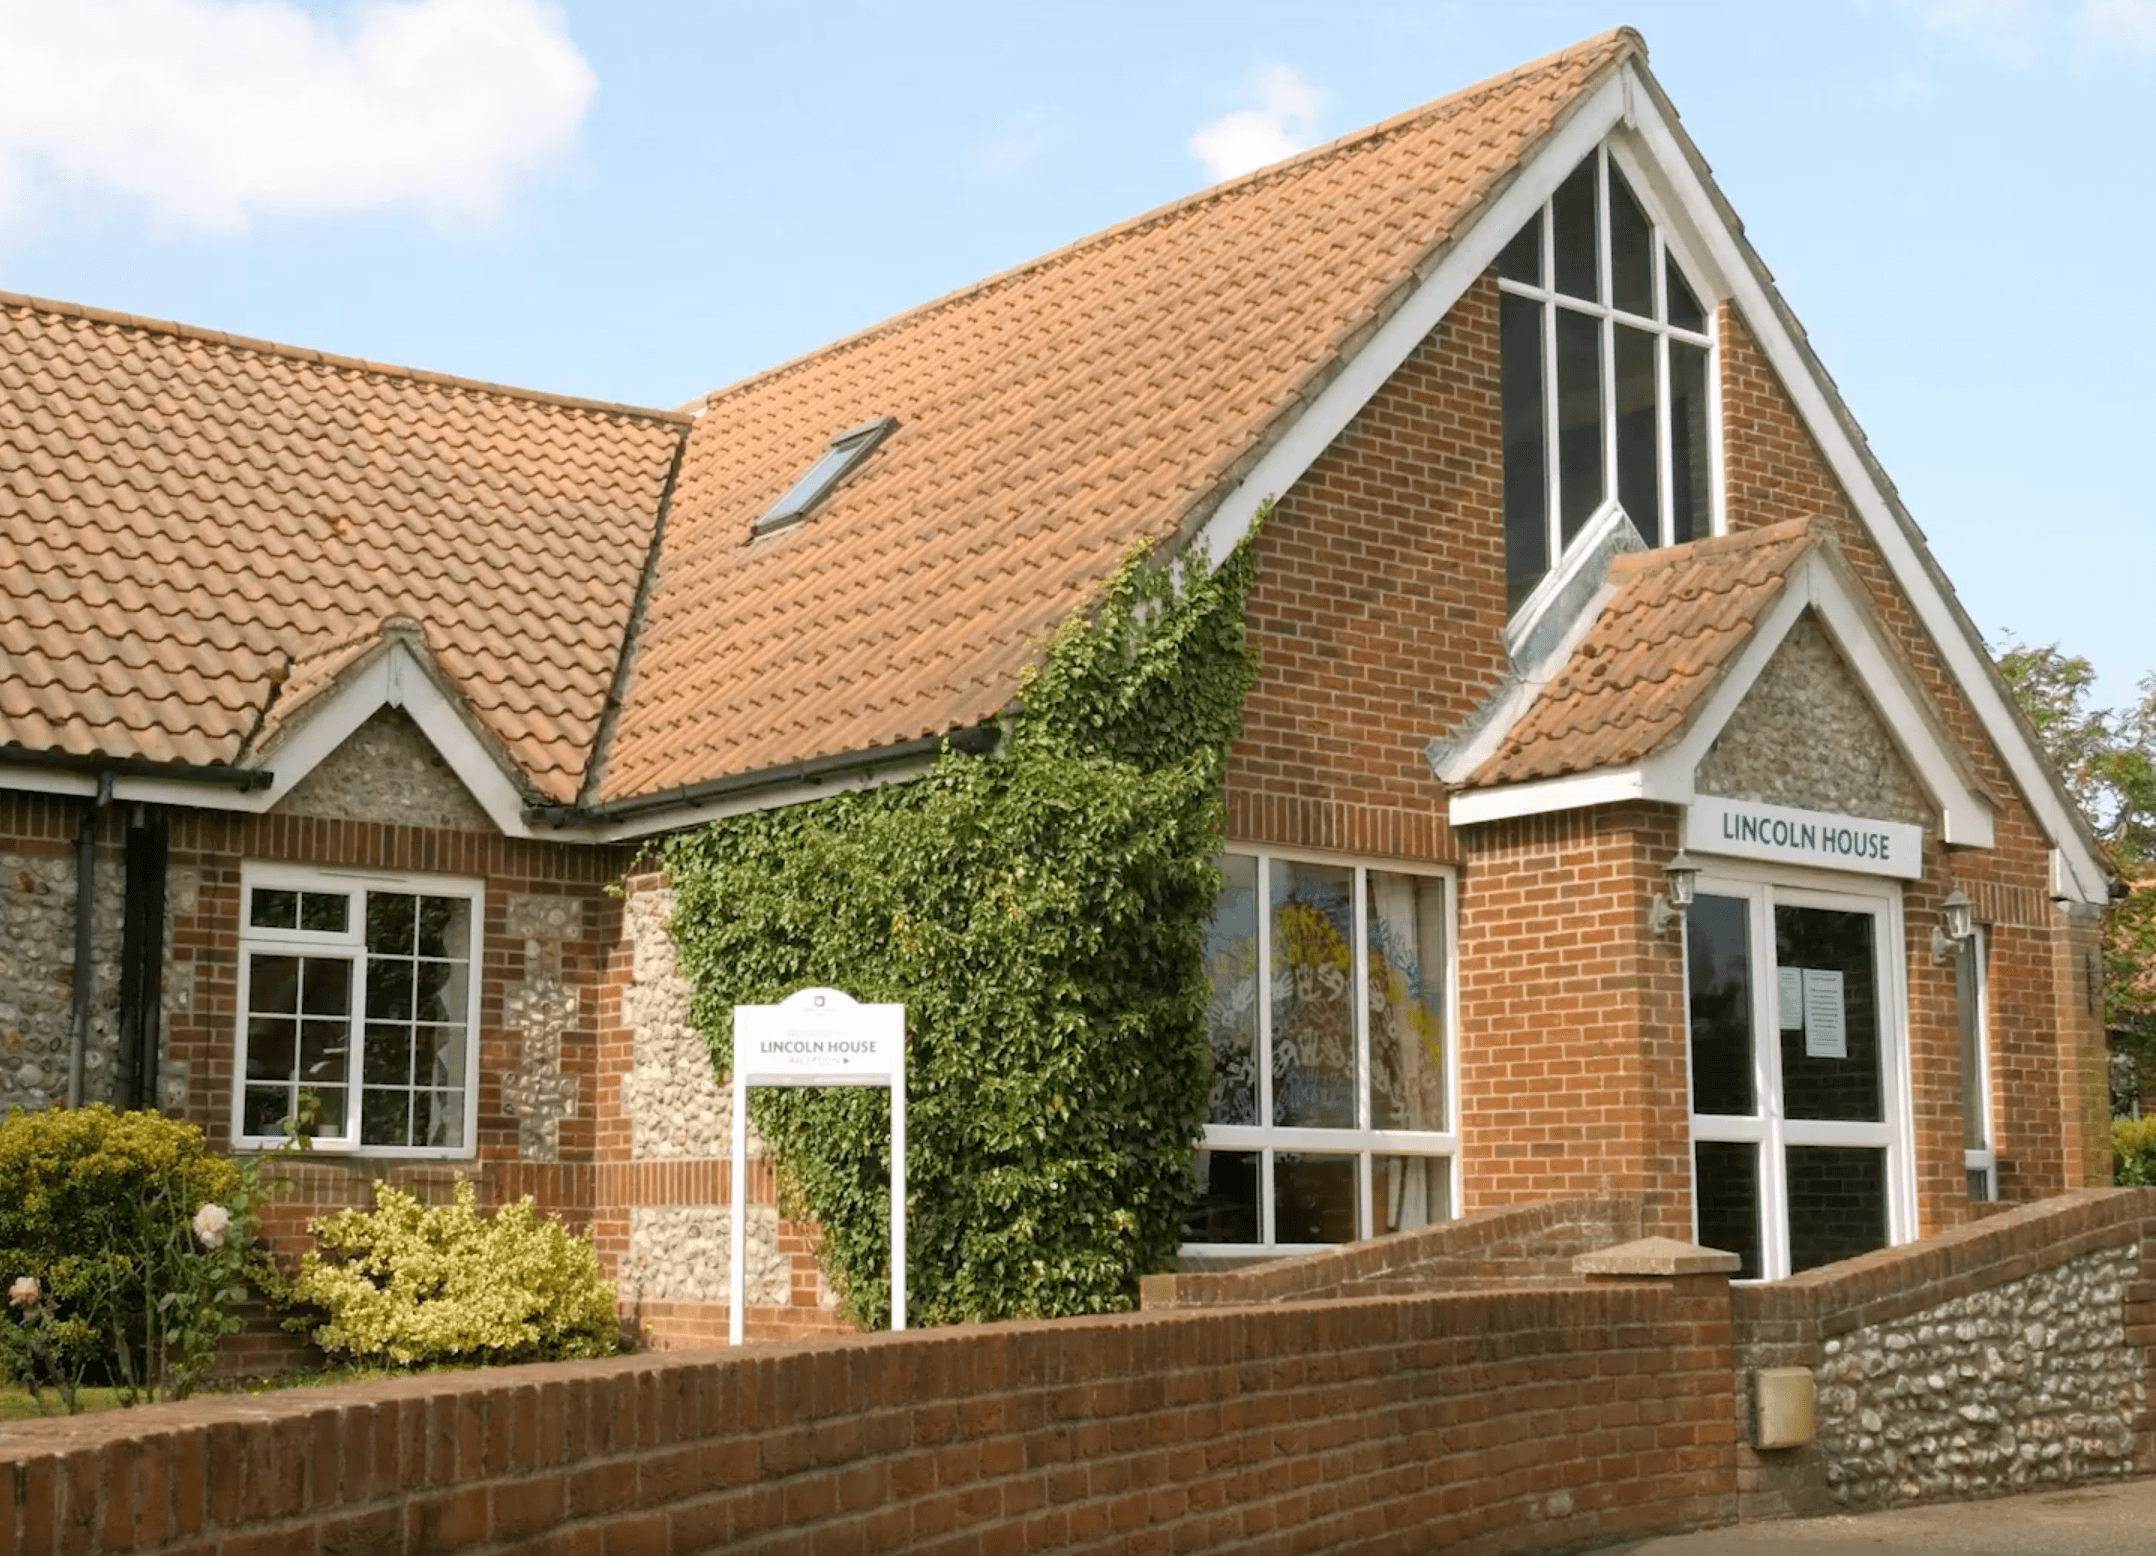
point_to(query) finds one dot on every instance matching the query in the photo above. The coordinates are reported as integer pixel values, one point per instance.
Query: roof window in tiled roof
(1607, 360)
(832, 466)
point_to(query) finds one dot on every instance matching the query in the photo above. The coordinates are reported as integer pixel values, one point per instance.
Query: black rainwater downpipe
(85, 908)
(142, 955)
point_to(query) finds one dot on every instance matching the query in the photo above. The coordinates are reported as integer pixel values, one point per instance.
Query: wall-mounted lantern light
(1957, 922)
(1682, 875)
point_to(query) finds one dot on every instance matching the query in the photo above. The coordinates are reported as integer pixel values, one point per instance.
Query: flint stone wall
(2027, 1384)
(674, 1103)
(680, 1253)
(387, 770)
(1806, 736)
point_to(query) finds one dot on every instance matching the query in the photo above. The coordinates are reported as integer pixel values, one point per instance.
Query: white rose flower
(24, 1292)
(210, 1224)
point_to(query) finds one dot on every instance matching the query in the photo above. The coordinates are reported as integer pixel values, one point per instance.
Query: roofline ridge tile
(1620, 43)
(150, 324)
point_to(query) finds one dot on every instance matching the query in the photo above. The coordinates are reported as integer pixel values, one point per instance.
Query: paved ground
(2115, 1520)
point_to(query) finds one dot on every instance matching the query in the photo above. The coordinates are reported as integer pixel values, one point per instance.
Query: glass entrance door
(1797, 1075)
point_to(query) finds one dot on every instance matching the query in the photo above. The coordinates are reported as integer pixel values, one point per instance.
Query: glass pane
(1684, 309)
(329, 1110)
(1639, 435)
(1575, 214)
(1226, 1209)
(1313, 1198)
(1837, 1203)
(1969, 1006)
(273, 909)
(1718, 964)
(326, 913)
(1409, 1191)
(389, 990)
(445, 927)
(441, 990)
(1527, 535)
(1631, 249)
(326, 989)
(272, 1043)
(265, 1110)
(1231, 1016)
(1726, 1176)
(1979, 1184)
(1690, 506)
(1313, 995)
(324, 1052)
(390, 918)
(1579, 418)
(1522, 257)
(1406, 960)
(1830, 1040)
(438, 1118)
(273, 984)
(438, 1056)
(385, 1117)
(388, 1058)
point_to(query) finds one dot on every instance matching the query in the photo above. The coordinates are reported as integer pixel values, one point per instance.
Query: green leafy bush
(1041, 913)
(127, 1246)
(2133, 1152)
(411, 1284)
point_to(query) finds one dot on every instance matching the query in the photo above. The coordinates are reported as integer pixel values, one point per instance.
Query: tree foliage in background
(2108, 759)
(1040, 912)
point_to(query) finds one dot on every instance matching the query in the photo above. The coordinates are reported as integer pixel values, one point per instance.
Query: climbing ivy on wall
(1040, 911)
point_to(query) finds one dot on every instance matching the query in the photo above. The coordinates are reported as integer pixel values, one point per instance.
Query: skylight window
(847, 450)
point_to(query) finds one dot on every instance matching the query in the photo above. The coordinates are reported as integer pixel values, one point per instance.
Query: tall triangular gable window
(1607, 376)
(833, 465)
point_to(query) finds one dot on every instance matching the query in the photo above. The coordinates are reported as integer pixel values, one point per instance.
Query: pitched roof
(1048, 418)
(183, 513)
(1663, 642)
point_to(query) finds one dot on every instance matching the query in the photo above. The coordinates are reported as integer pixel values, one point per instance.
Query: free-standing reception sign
(818, 1037)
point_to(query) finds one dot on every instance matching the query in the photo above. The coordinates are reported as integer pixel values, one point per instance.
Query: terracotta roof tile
(180, 511)
(1678, 620)
(1048, 419)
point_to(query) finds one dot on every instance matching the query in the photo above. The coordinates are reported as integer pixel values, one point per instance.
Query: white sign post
(818, 1037)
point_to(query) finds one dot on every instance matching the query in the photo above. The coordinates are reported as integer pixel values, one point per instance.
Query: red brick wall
(1470, 1423)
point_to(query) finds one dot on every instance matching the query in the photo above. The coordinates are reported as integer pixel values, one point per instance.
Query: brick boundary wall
(1478, 1422)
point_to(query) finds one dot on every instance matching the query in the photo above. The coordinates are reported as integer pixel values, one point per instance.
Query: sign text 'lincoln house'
(1822, 839)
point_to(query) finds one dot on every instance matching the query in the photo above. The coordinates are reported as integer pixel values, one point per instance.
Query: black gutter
(976, 740)
(245, 779)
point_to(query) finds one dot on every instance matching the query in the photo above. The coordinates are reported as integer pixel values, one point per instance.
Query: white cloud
(210, 113)
(2127, 25)
(1016, 149)
(1283, 123)
(2009, 30)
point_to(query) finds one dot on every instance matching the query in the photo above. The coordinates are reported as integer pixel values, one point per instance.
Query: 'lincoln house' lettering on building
(1848, 842)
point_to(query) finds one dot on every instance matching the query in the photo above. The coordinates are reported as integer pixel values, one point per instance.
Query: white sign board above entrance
(1819, 838)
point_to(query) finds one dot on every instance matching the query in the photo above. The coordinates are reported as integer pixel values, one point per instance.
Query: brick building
(1626, 807)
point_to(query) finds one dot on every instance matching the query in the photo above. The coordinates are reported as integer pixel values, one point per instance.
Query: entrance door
(1799, 1112)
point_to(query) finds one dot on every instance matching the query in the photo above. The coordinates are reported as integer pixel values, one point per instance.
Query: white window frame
(1983, 1159)
(1767, 1129)
(1608, 315)
(1362, 1141)
(351, 941)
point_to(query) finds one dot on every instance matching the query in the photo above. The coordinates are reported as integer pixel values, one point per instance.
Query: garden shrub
(126, 1244)
(2133, 1152)
(411, 1284)
(1040, 912)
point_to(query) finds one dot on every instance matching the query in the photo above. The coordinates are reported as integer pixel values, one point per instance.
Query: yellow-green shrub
(2133, 1151)
(411, 1284)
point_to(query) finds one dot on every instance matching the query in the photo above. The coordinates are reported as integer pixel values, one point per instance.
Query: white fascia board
(677, 818)
(1471, 807)
(46, 780)
(1964, 655)
(1365, 373)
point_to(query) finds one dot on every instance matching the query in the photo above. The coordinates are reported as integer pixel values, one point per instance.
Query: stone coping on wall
(1511, 1244)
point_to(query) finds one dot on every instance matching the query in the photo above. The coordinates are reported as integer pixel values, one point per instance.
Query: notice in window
(1826, 1034)
(1791, 998)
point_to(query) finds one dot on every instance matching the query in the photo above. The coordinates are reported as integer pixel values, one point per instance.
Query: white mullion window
(1598, 272)
(1332, 1111)
(358, 1011)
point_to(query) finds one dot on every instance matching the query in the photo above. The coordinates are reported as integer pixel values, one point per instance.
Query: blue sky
(644, 201)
